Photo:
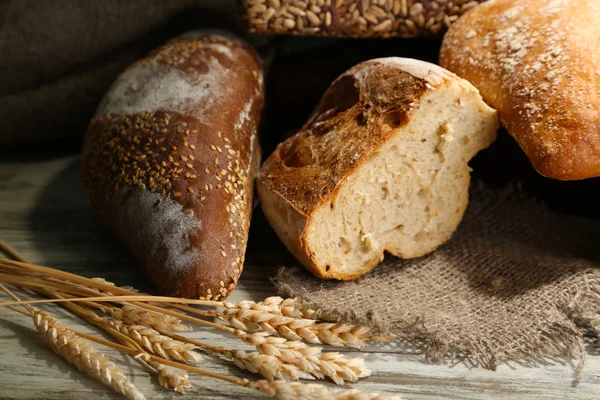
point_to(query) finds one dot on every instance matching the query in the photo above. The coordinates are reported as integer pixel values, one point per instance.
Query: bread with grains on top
(355, 18)
(538, 63)
(169, 161)
(381, 165)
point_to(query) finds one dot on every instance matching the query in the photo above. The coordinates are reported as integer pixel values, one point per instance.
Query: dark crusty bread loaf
(538, 63)
(381, 165)
(170, 157)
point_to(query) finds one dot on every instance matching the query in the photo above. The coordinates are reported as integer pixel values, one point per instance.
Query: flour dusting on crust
(153, 87)
(433, 74)
(159, 228)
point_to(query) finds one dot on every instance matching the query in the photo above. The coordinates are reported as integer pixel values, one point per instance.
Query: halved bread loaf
(381, 165)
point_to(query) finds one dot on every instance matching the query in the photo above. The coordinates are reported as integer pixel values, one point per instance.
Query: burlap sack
(515, 282)
(58, 57)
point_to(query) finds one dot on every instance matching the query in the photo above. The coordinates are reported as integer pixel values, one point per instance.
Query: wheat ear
(278, 305)
(266, 365)
(309, 359)
(83, 355)
(171, 378)
(133, 315)
(292, 328)
(294, 391)
(156, 343)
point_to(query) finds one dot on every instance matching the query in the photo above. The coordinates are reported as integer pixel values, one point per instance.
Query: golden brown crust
(538, 63)
(357, 114)
(177, 187)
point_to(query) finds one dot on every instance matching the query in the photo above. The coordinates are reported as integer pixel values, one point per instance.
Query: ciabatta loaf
(538, 63)
(381, 165)
(170, 157)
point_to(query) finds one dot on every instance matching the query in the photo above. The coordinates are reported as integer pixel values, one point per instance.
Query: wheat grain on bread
(169, 161)
(381, 165)
(355, 18)
(538, 63)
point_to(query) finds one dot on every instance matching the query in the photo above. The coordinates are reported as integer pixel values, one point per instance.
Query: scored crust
(538, 63)
(310, 177)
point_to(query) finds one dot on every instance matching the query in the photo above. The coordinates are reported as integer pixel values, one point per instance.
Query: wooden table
(45, 215)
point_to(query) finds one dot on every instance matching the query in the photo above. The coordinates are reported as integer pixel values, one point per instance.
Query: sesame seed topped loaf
(355, 18)
(381, 165)
(170, 157)
(538, 63)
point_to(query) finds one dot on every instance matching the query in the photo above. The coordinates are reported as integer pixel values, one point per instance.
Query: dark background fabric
(58, 58)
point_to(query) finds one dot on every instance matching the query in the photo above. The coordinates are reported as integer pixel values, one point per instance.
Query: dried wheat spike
(311, 391)
(339, 335)
(133, 315)
(308, 359)
(112, 284)
(277, 305)
(83, 355)
(171, 378)
(154, 342)
(268, 366)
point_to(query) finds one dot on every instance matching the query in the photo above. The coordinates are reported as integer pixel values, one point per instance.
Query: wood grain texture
(45, 215)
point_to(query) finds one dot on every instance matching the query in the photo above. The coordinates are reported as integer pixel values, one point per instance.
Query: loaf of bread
(381, 165)
(170, 157)
(355, 18)
(538, 63)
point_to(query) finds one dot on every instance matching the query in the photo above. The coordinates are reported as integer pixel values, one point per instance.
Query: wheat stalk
(276, 357)
(156, 343)
(268, 366)
(292, 328)
(83, 355)
(294, 391)
(277, 305)
(133, 315)
(309, 359)
(170, 378)
(102, 280)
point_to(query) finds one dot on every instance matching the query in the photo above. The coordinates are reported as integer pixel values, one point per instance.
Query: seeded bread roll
(538, 63)
(170, 157)
(381, 165)
(355, 18)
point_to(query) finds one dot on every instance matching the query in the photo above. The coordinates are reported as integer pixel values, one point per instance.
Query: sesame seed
(176, 194)
(190, 190)
(192, 146)
(223, 253)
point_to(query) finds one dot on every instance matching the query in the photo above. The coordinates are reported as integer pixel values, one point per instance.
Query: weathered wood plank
(45, 215)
